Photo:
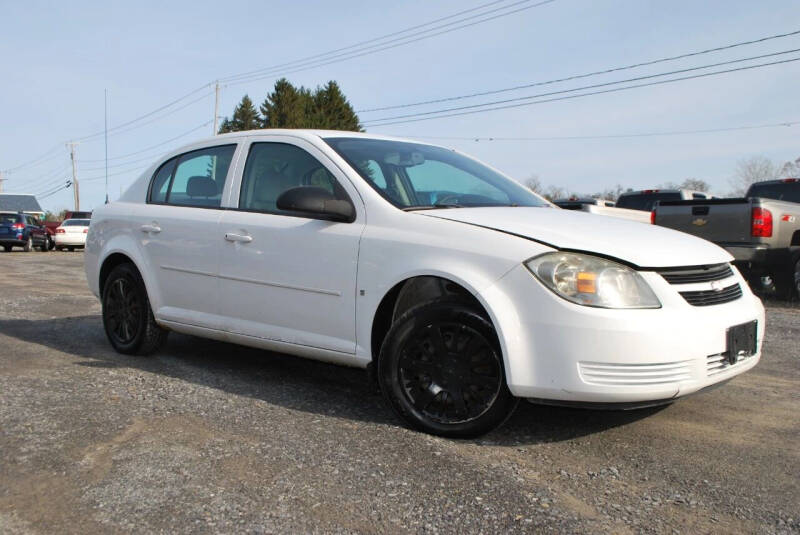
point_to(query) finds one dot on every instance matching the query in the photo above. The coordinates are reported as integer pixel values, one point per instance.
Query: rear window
(780, 191)
(645, 201)
(8, 218)
(75, 223)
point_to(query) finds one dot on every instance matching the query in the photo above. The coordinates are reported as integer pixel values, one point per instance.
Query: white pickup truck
(602, 207)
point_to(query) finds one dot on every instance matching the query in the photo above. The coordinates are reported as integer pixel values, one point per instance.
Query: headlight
(592, 281)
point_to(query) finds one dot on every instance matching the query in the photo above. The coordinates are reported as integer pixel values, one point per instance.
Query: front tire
(127, 316)
(441, 370)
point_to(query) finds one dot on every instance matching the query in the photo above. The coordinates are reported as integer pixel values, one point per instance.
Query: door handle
(238, 238)
(155, 229)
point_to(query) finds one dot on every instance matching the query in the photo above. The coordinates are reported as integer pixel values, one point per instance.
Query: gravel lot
(211, 437)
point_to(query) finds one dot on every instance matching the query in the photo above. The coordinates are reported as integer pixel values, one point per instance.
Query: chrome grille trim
(695, 275)
(611, 374)
(704, 298)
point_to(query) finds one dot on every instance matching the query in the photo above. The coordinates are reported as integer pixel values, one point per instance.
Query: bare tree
(555, 192)
(535, 185)
(749, 170)
(696, 184)
(790, 169)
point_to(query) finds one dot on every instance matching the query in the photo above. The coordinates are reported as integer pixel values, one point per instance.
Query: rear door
(178, 233)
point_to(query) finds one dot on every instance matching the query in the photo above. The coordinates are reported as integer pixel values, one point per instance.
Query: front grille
(604, 373)
(719, 363)
(706, 298)
(693, 275)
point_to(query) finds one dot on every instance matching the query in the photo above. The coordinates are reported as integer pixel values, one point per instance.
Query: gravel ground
(212, 437)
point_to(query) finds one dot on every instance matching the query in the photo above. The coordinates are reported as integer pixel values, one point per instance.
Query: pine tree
(285, 107)
(332, 110)
(245, 117)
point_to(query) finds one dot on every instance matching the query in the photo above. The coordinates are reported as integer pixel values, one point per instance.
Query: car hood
(637, 243)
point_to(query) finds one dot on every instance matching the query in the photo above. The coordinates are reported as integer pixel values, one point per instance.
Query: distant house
(12, 202)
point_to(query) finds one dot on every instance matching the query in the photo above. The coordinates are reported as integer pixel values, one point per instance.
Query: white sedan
(71, 234)
(457, 287)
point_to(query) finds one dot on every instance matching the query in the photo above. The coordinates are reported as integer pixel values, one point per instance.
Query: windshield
(413, 176)
(645, 201)
(781, 191)
(75, 223)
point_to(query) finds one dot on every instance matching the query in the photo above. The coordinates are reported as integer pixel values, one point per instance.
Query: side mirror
(317, 202)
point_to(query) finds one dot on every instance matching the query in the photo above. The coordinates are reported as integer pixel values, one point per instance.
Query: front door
(283, 276)
(178, 230)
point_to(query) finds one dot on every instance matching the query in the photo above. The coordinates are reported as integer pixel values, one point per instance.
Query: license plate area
(742, 341)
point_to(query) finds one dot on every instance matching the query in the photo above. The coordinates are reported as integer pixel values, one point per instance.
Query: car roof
(302, 133)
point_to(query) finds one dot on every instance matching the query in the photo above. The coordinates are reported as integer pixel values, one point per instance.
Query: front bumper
(559, 351)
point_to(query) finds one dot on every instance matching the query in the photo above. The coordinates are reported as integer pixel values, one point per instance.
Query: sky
(58, 58)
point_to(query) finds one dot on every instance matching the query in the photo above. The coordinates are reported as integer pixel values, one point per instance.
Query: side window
(699, 196)
(199, 177)
(273, 168)
(160, 184)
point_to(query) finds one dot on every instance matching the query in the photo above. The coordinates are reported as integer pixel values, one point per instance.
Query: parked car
(761, 231)
(645, 199)
(71, 234)
(602, 207)
(22, 230)
(457, 287)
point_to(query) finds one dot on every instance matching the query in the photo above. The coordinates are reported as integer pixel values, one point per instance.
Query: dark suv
(22, 230)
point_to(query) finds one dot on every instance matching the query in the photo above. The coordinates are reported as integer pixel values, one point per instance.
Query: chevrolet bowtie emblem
(699, 222)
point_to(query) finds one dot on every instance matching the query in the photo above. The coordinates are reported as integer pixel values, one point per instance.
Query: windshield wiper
(435, 206)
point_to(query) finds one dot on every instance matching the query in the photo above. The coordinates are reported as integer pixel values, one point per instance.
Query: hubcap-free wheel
(127, 317)
(797, 278)
(28, 245)
(441, 369)
(123, 311)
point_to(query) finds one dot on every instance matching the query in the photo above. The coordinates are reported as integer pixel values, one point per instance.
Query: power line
(579, 76)
(359, 51)
(157, 145)
(359, 44)
(426, 116)
(786, 124)
(381, 47)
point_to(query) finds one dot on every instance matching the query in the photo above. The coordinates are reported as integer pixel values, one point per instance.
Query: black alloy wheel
(127, 317)
(441, 370)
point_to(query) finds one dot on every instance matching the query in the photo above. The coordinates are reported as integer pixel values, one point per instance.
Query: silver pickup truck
(761, 231)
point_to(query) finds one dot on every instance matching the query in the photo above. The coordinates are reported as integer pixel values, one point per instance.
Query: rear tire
(7, 248)
(71, 249)
(28, 247)
(127, 315)
(441, 370)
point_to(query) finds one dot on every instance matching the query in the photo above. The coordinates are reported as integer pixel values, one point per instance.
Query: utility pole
(105, 120)
(1, 181)
(216, 106)
(75, 191)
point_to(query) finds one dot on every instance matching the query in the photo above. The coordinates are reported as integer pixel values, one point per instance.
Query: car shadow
(292, 382)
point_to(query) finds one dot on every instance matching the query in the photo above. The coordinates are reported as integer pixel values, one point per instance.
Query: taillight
(86, 231)
(761, 223)
(60, 231)
(652, 217)
(18, 226)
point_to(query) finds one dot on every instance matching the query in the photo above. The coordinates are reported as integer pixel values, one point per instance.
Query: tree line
(748, 171)
(287, 106)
